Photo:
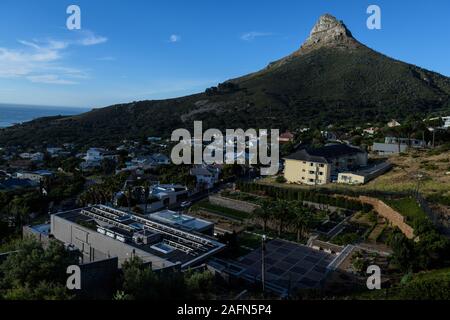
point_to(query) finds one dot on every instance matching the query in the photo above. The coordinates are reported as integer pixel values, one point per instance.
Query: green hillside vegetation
(432, 285)
(409, 208)
(336, 84)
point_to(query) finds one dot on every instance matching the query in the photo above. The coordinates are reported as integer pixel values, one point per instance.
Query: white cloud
(41, 61)
(107, 58)
(91, 39)
(174, 38)
(49, 79)
(249, 36)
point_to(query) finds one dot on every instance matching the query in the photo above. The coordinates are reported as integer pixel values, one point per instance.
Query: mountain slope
(332, 78)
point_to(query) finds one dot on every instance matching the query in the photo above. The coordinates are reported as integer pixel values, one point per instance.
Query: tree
(140, 282)
(43, 291)
(108, 166)
(199, 284)
(301, 220)
(36, 273)
(264, 212)
(19, 210)
(283, 212)
(403, 252)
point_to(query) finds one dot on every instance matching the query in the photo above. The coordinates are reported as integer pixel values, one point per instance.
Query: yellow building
(322, 165)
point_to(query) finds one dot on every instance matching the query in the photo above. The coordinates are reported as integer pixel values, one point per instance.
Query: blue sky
(135, 49)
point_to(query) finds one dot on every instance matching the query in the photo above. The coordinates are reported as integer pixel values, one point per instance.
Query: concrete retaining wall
(395, 218)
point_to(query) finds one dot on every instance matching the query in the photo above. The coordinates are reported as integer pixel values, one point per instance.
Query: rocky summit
(328, 32)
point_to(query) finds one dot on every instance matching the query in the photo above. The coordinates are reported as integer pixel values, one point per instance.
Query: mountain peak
(328, 32)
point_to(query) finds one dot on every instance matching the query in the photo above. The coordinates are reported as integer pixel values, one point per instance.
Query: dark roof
(17, 183)
(324, 154)
(201, 171)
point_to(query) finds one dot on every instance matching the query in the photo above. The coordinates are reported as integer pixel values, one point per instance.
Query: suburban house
(393, 123)
(169, 194)
(206, 176)
(54, 152)
(38, 156)
(393, 145)
(16, 184)
(95, 155)
(371, 131)
(36, 176)
(154, 139)
(94, 158)
(286, 137)
(322, 165)
(446, 122)
(160, 159)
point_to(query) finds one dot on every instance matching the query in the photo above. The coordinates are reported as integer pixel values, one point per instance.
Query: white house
(446, 122)
(38, 156)
(169, 194)
(95, 155)
(35, 176)
(393, 145)
(160, 159)
(54, 152)
(393, 123)
(206, 176)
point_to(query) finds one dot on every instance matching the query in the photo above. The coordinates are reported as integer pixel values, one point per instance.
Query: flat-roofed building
(393, 145)
(102, 232)
(169, 193)
(364, 175)
(183, 221)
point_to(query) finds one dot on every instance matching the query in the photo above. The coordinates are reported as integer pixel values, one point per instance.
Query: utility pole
(263, 265)
(419, 178)
(434, 135)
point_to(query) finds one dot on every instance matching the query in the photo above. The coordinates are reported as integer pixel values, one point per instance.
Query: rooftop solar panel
(288, 265)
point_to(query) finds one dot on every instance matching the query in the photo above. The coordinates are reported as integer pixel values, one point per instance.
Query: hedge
(291, 194)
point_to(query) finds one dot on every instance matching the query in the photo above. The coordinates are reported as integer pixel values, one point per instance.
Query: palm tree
(264, 212)
(283, 211)
(129, 195)
(302, 220)
(146, 194)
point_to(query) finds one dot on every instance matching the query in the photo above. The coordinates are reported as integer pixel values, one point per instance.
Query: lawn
(250, 240)
(226, 212)
(408, 207)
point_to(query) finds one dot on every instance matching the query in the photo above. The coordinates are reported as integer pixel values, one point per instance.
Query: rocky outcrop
(328, 32)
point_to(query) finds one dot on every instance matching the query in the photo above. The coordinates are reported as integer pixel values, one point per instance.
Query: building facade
(321, 166)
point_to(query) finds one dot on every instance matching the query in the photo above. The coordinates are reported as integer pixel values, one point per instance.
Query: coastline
(13, 114)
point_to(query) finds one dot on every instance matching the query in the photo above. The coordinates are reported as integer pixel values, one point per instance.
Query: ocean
(11, 114)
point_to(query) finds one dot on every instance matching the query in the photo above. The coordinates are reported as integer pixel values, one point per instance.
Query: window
(311, 172)
(321, 165)
(311, 180)
(321, 173)
(311, 164)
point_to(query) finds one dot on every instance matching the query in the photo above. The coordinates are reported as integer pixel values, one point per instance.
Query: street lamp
(263, 264)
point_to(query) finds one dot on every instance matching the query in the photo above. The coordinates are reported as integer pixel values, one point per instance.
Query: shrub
(280, 179)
